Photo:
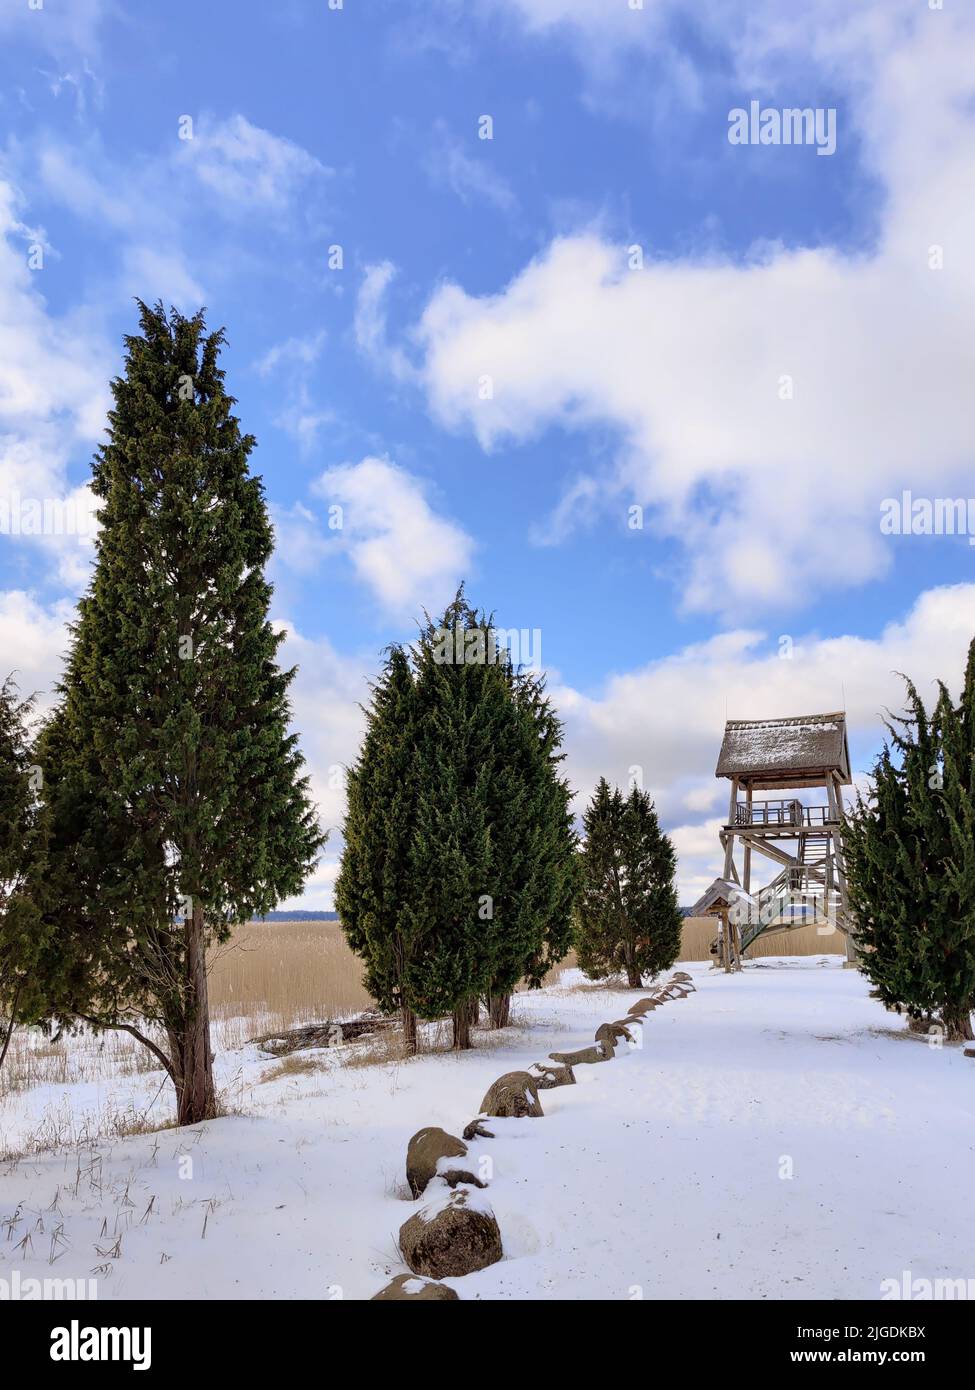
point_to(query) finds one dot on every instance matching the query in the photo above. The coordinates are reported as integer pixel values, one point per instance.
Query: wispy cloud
(370, 326)
(248, 167)
(467, 172)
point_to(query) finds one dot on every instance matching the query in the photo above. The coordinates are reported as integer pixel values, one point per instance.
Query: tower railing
(782, 814)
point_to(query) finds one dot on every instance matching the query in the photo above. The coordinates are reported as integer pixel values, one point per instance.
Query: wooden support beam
(729, 853)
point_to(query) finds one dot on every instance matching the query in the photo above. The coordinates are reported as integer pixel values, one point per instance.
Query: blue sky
(463, 259)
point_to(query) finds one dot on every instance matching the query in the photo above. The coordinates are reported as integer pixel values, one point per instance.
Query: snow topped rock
(454, 1235)
(432, 1152)
(408, 1288)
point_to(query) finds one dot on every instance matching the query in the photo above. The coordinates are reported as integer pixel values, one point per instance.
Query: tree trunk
(192, 1054)
(463, 1017)
(499, 1007)
(957, 1022)
(13, 1024)
(409, 1030)
(633, 976)
(6, 1042)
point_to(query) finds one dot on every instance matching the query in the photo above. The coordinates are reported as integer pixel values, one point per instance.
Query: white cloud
(53, 398)
(246, 166)
(299, 543)
(300, 415)
(666, 718)
(69, 31)
(469, 175)
(772, 498)
(369, 323)
(409, 555)
(326, 696)
(297, 353)
(33, 640)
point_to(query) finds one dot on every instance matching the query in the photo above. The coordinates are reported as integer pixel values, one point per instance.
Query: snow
(663, 1173)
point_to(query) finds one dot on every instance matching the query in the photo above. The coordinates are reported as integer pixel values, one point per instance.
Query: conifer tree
(21, 936)
(910, 855)
(174, 800)
(374, 882)
(465, 886)
(628, 919)
(949, 960)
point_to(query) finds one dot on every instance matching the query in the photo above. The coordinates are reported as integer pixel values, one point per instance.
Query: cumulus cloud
(33, 640)
(765, 406)
(663, 722)
(408, 554)
(53, 399)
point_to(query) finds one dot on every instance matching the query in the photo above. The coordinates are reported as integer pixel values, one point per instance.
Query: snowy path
(658, 1174)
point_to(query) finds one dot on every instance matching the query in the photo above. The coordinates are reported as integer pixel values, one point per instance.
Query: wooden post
(729, 851)
(747, 869)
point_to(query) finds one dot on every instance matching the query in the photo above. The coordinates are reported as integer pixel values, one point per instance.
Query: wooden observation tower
(801, 836)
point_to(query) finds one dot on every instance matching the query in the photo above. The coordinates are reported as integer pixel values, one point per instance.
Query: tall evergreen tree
(21, 936)
(910, 854)
(533, 876)
(628, 919)
(374, 882)
(949, 961)
(463, 884)
(174, 800)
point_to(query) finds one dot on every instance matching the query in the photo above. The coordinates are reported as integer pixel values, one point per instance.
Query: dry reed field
(699, 932)
(276, 975)
(280, 974)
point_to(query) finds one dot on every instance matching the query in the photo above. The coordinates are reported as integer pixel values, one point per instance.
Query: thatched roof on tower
(779, 753)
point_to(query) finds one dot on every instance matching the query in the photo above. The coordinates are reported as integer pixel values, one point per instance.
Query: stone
(409, 1288)
(513, 1095)
(599, 1052)
(641, 1007)
(612, 1033)
(553, 1076)
(429, 1154)
(452, 1237)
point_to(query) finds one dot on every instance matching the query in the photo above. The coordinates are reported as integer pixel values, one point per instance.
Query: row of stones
(459, 1233)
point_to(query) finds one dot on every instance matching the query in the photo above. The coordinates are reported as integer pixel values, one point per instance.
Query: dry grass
(699, 932)
(291, 1066)
(285, 973)
(273, 976)
(61, 1129)
(34, 1059)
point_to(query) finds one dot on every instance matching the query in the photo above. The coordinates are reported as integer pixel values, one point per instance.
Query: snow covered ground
(777, 1135)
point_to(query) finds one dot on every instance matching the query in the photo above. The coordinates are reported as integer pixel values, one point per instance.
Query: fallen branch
(327, 1034)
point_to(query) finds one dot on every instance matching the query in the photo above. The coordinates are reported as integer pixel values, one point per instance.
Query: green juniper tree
(949, 961)
(457, 874)
(21, 935)
(533, 877)
(628, 920)
(174, 803)
(374, 884)
(910, 856)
